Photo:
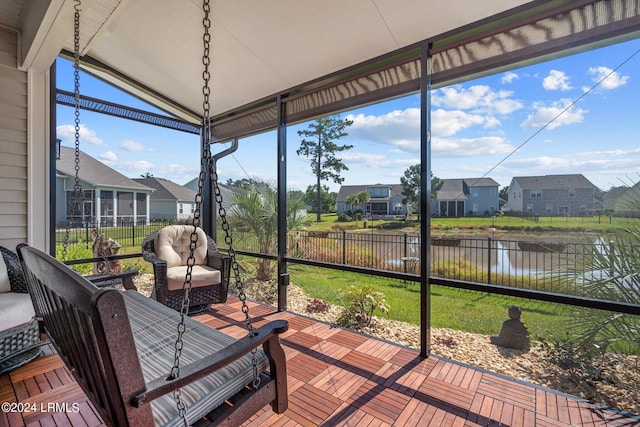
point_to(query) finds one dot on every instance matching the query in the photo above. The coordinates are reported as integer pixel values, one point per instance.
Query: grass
(329, 222)
(469, 311)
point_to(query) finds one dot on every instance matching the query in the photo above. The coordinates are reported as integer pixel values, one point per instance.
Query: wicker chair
(168, 249)
(20, 331)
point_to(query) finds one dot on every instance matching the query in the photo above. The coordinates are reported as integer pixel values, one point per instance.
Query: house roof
(458, 189)
(95, 172)
(347, 190)
(167, 190)
(553, 182)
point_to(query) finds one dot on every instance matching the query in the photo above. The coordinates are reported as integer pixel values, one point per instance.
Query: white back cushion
(5, 285)
(172, 245)
(16, 309)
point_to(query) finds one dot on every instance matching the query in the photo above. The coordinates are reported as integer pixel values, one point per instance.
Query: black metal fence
(543, 266)
(128, 234)
(534, 265)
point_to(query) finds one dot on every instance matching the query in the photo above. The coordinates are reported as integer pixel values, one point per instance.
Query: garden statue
(102, 248)
(514, 333)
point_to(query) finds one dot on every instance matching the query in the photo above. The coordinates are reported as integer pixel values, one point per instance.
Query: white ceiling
(259, 47)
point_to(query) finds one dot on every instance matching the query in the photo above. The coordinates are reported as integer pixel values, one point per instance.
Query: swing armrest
(266, 335)
(221, 262)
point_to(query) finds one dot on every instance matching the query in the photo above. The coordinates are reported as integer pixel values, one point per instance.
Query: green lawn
(469, 311)
(329, 222)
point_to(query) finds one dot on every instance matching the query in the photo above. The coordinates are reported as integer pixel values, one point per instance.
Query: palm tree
(612, 273)
(256, 208)
(352, 199)
(363, 198)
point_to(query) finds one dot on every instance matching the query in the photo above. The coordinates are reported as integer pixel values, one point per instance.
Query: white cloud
(108, 156)
(559, 113)
(372, 160)
(612, 79)
(130, 145)
(509, 77)
(387, 128)
(467, 147)
(556, 80)
(67, 134)
(450, 122)
(480, 99)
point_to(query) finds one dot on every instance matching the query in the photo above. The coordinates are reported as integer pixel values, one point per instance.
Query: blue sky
(508, 124)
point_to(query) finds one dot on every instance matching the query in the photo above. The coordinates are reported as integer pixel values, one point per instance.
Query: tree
(411, 186)
(612, 273)
(351, 199)
(327, 199)
(320, 148)
(256, 208)
(249, 183)
(363, 198)
(504, 193)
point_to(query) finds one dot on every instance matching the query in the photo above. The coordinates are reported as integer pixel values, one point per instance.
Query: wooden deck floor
(336, 378)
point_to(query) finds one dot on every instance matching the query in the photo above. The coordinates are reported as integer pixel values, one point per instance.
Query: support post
(283, 276)
(425, 200)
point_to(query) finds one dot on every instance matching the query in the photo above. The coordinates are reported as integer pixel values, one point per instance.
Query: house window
(474, 192)
(549, 208)
(180, 208)
(536, 194)
(572, 192)
(193, 208)
(378, 192)
(529, 207)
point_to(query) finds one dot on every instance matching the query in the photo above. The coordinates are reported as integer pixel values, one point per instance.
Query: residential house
(169, 201)
(467, 197)
(225, 190)
(108, 197)
(567, 195)
(623, 201)
(384, 199)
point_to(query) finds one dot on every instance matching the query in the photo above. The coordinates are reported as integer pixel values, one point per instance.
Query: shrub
(360, 304)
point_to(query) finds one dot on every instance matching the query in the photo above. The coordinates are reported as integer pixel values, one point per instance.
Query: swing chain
(77, 188)
(236, 271)
(206, 132)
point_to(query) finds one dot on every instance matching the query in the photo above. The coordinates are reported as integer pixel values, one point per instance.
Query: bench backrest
(90, 329)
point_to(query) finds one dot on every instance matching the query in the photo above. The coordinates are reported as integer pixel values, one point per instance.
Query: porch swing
(123, 350)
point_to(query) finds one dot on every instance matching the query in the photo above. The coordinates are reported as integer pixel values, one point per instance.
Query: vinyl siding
(13, 144)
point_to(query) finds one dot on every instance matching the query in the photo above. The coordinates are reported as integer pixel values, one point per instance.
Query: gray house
(108, 197)
(567, 195)
(623, 201)
(467, 197)
(169, 201)
(225, 190)
(384, 199)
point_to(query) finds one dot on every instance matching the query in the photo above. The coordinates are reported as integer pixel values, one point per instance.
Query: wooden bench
(119, 345)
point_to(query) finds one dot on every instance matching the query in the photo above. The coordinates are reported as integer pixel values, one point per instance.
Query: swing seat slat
(120, 348)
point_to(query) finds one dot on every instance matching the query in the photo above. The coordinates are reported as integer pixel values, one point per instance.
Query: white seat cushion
(201, 275)
(153, 326)
(5, 284)
(16, 309)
